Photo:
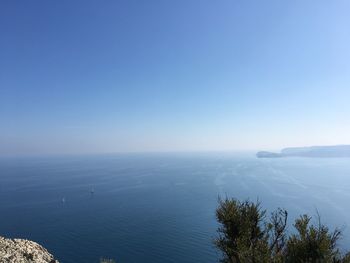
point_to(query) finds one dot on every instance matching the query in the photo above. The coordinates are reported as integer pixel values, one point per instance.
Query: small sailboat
(63, 200)
(92, 191)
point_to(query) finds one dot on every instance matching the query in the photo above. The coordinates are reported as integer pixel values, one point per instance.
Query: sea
(158, 207)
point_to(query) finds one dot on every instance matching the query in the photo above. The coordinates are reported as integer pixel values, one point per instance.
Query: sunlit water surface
(157, 208)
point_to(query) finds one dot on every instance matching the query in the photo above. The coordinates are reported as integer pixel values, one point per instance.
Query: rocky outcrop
(23, 251)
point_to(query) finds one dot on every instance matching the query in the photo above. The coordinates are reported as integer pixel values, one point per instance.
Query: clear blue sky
(114, 76)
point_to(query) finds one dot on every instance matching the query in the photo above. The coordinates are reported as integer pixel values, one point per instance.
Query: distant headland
(313, 151)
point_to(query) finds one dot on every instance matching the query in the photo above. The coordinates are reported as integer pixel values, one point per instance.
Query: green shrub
(247, 235)
(106, 260)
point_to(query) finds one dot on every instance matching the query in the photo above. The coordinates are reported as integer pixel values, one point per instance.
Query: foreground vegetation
(107, 260)
(248, 235)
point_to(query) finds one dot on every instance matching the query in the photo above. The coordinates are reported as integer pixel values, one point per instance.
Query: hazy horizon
(104, 77)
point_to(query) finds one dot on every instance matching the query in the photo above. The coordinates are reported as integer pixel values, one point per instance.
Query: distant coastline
(333, 151)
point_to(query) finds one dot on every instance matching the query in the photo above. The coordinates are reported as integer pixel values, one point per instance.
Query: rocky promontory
(23, 251)
(333, 151)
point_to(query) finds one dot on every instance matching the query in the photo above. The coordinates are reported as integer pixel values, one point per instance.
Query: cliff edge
(23, 251)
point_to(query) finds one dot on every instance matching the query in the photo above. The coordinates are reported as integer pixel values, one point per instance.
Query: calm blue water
(156, 208)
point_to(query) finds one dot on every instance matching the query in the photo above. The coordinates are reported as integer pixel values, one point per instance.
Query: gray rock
(23, 251)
